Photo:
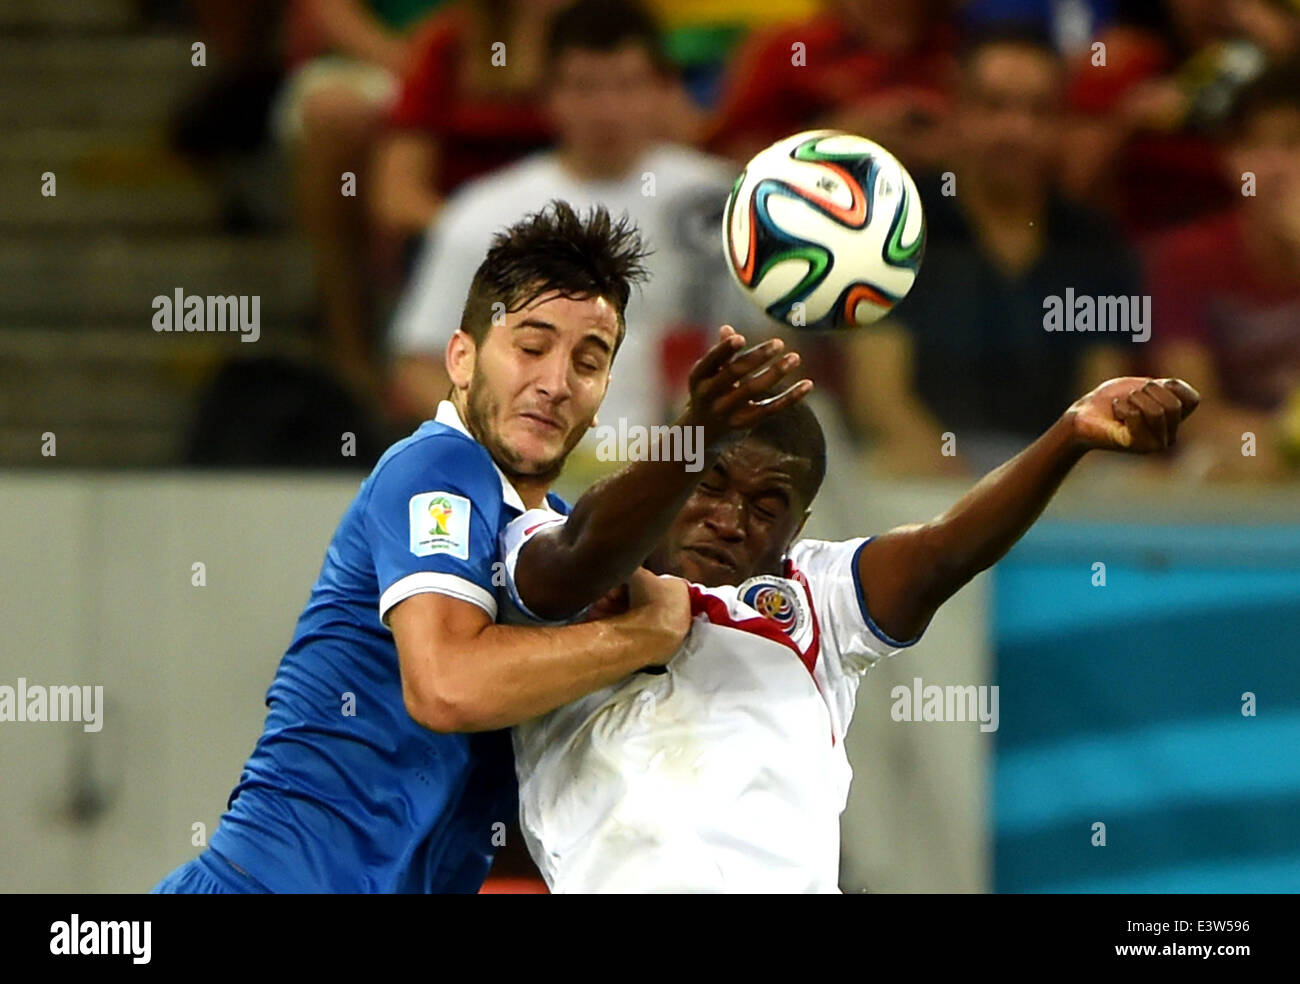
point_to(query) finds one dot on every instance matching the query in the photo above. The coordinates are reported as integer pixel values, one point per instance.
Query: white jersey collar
(448, 414)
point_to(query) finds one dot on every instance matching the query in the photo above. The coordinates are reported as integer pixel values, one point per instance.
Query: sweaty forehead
(750, 463)
(582, 314)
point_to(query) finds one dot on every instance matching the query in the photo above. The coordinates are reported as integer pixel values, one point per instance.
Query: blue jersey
(344, 791)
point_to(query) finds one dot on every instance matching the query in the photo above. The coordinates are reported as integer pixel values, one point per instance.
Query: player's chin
(536, 449)
(538, 463)
(705, 570)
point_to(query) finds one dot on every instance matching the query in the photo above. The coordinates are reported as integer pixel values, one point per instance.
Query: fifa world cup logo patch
(439, 523)
(776, 599)
(440, 510)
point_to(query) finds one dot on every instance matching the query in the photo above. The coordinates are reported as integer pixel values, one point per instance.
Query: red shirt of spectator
(476, 134)
(1206, 288)
(1160, 179)
(770, 95)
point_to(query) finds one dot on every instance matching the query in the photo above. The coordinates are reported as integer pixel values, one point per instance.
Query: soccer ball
(824, 230)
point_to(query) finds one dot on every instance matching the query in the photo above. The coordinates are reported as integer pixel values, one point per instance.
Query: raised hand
(1133, 413)
(729, 386)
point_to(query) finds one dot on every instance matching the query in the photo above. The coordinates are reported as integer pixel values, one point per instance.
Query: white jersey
(727, 772)
(675, 195)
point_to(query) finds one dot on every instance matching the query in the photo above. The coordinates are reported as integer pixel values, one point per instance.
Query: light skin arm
(620, 520)
(1213, 450)
(405, 200)
(419, 383)
(463, 673)
(907, 573)
(349, 27)
(423, 323)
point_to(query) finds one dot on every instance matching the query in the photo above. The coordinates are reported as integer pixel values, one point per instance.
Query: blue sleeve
(431, 523)
(558, 504)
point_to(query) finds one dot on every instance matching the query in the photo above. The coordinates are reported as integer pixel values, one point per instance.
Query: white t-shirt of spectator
(675, 195)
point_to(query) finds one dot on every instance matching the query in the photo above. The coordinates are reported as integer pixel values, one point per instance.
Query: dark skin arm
(907, 573)
(620, 520)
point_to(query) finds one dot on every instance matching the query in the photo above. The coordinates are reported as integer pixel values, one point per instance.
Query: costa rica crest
(777, 599)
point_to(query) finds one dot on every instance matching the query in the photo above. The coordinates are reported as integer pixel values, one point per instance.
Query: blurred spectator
(470, 103)
(275, 413)
(880, 68)
(1226, 293)
(1150, 103)
(967, 351)
(606, 83)
(347, 57)
(700, 36)
(221, 125)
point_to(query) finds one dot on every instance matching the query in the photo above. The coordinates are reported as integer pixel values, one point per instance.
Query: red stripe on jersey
(716, 611)
(538, 526)
(815, 647)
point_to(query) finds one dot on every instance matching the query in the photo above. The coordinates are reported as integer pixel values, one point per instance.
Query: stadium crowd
(1149, 150)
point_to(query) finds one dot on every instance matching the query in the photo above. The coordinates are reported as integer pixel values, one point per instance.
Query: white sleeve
(831, 571)
(430, 308)
(512, 540)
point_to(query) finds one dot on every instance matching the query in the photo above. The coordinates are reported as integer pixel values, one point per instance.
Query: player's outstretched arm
(907, 573)
(461, 672)
(619, 521)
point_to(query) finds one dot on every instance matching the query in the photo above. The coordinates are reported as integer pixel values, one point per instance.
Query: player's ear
(461, 352)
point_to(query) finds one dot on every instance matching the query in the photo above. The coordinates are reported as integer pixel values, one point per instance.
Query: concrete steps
(23, 16)
(104, 180)
(112, 277)
(113, 396)
(87, 91)
(92, 81)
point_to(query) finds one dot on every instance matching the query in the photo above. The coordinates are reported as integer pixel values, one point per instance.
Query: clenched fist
(1133, 413)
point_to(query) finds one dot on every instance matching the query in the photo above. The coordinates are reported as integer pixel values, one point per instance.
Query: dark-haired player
(366, 778)
(727, 771)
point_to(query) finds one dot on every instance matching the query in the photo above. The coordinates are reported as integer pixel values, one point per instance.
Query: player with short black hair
(727, 771)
